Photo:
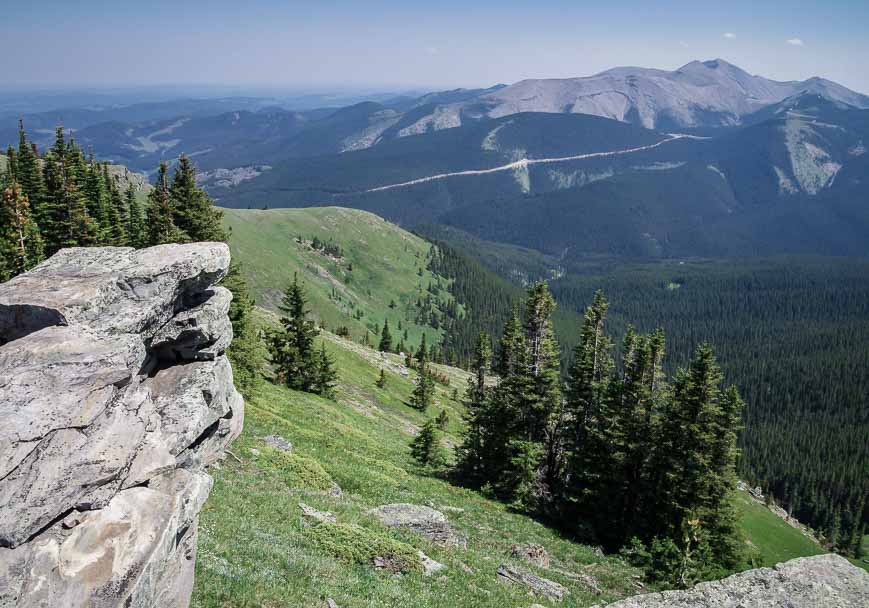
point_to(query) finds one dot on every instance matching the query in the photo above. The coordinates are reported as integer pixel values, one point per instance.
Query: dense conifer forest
(791, 331)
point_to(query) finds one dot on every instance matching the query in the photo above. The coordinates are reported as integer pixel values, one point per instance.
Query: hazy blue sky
(438, 43)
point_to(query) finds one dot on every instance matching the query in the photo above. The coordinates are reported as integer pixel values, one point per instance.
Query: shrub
(357, 545)
(297, 471)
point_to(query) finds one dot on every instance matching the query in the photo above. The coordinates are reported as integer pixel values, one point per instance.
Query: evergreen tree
(442, 420)
(423, 393)
(97, 196)
(20, 242)
(246, 352)
(474, 457)
(381, 379)
(135, 230)
(385, 345)
(426, 447)
(326, 376)
(161, 213)
(194, 211)
(292, 348)
(29, 174)
(117, 211)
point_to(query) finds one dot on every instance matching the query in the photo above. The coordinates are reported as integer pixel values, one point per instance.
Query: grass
(256, 551)
(388, 264)
(770, 537)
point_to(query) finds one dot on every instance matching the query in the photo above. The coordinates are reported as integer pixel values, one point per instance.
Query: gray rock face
(115, 393)
(806, 582)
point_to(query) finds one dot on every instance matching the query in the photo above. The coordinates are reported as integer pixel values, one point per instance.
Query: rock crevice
(115, 394)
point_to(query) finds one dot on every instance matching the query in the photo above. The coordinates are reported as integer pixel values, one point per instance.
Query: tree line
(615, 452)
(66, 198)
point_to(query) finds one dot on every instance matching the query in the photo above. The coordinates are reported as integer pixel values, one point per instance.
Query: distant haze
(400, 44)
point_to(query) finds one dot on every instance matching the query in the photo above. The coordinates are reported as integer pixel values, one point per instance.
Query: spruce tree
(135, 229)
(20, 242)
(326, 376)
(246, 352)
(381, 379)
(423, 393)
(29, 174)
(385, 345)
(292, 348)
(426, 447)
(194, 211)
(117, 211)
(474, 458)
(161, 213)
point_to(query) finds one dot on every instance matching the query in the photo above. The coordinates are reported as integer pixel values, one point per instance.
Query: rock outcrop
(805, 582)
(115, 393)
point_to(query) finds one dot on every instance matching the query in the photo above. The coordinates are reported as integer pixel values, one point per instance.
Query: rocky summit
(116, 393)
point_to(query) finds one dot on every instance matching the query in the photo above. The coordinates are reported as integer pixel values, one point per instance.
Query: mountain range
(705, 160)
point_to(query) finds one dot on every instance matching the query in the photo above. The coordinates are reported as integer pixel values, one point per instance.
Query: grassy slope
(385, 261)
(254, 550)
(774, 540)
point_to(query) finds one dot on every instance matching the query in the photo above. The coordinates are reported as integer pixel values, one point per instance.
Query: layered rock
(115, 394)
(805, 582)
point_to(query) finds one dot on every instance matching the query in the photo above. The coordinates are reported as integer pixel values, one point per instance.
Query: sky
(390, 44)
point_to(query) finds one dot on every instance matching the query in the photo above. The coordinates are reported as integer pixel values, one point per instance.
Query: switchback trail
(525, 162)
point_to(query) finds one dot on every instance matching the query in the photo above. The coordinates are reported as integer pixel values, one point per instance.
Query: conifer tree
(385, 345)
(194, 211)
(29, 174)
(97, 197)
(135, 228)
(20, 242)
(426, 447)
(423, 393)
(292, 348)
(117, 211)
(246, 352)
(474, 457)
(381, 379)
(161, 213)
(326, 376)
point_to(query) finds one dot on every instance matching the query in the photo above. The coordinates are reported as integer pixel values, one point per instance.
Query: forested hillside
(793, 333)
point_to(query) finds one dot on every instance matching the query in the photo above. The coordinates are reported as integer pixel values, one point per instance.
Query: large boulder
(805, 582)
(423, 520)
(115, 393)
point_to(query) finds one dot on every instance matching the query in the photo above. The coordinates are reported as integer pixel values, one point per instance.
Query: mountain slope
(257, 549)
(377, 271)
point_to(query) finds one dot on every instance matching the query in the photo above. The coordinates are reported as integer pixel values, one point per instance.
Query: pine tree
(423, 393)
(97, 198)
(161, 213)
(385, 345)
(590, 462)
(426, 447)
(442, 420)
(246, 352)
(20, 242)
(29, 174)
(194, 211)
(326, 376)
(117, 211)
(292, 348)
(474, 457)
(135, 229)
(381, 379)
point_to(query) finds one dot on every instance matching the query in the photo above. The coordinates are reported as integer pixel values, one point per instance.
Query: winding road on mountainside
(526, 162)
